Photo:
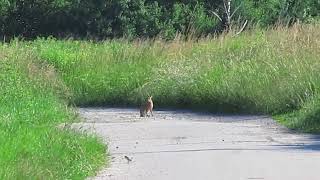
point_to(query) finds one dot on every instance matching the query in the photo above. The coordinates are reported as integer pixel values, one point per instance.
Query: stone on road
(176, 145)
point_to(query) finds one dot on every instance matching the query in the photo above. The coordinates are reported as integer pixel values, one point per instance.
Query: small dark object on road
(128, 159)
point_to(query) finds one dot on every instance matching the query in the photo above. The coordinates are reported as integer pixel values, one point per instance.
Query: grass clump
(99, 74)
(32, 104)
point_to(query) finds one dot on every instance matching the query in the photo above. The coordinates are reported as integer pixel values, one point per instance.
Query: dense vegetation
(141, 18)
(269, 72)
(33, 102)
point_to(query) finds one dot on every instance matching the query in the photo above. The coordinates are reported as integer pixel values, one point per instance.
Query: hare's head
(149, 97)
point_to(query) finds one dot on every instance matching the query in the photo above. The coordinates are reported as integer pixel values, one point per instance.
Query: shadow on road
(310, 143)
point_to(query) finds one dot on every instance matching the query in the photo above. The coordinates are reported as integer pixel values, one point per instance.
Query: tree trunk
(227, 21)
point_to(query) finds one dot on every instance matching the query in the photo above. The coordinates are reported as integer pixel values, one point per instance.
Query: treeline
(143, 18)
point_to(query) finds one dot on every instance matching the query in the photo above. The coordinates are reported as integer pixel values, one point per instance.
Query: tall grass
(272, 71)
(32, 104)
(262, 71)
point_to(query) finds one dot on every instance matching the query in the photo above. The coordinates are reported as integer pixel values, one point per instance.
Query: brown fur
(147, 107)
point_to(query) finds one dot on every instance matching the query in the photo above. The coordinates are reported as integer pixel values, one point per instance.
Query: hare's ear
(150, 97)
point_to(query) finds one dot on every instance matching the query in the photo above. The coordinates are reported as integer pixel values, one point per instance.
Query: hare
(147, 107)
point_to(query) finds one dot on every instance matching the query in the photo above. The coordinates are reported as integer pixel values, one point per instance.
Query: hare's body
(146, 108)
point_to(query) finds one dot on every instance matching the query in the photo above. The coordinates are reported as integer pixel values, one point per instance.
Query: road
(184, 145)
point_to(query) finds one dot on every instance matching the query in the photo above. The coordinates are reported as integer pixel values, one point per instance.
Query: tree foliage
(140, 18)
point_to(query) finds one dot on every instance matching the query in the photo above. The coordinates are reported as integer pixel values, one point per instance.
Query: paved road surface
(176, 145)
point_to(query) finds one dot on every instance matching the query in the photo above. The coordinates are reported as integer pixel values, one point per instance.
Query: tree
(227, 16)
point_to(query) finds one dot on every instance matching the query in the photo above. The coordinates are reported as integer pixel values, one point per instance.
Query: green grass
(261, 71)
(32, 105)
(273, 72)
